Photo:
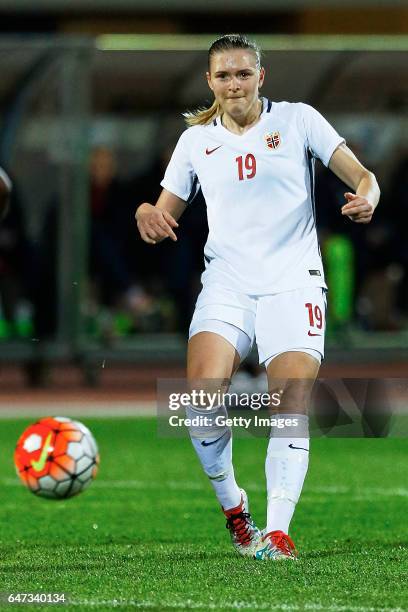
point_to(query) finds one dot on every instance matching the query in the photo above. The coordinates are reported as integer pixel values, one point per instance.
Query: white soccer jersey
(259, 193)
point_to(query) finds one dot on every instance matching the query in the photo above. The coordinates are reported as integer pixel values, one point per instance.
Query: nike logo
(209, 151)
(204, 443)
(39, 465)
(298, 448)
(309, 333)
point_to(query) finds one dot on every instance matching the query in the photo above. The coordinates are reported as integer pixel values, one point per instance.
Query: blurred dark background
(91, 97)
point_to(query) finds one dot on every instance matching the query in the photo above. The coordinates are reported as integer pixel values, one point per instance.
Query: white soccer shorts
(289, 321)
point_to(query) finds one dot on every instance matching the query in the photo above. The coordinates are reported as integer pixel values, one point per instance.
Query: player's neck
(240, 125)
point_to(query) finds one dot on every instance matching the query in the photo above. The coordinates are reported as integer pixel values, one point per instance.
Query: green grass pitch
(149, 535)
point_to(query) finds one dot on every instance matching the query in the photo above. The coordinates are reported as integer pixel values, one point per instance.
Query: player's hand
(155, 224)
(358, 208)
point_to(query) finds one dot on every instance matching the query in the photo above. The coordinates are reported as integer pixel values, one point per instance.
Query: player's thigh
(211, 356)
(297, 364)
(221, 333)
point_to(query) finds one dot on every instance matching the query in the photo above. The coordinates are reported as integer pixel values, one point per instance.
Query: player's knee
(291, 397)
(207, 384)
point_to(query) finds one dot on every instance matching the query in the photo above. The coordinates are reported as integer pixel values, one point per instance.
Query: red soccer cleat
(245, 535)
(276, 545)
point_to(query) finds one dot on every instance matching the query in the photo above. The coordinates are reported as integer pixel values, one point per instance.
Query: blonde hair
(204, 116)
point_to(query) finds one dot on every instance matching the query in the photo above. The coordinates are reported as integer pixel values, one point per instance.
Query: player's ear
(208, 75)
(261, 77)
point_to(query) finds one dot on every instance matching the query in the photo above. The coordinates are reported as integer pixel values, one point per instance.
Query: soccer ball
(56, 457)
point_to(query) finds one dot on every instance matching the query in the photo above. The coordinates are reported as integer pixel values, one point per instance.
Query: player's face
(235, 79)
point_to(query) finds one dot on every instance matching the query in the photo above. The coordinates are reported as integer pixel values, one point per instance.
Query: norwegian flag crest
(273, 140)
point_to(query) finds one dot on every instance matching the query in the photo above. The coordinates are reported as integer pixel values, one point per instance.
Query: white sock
(286, 464)
(214, 450)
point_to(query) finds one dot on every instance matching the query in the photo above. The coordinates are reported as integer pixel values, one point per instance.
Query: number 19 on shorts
(315, 317)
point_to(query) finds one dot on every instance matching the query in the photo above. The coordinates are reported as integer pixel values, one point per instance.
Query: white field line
(233, 605)
(363, 493)
(105, 409)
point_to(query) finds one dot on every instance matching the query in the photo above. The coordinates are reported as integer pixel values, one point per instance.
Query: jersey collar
(266, 108)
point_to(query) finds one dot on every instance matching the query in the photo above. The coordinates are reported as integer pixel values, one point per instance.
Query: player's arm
(5, 190)
(361, 204)
(155, 223)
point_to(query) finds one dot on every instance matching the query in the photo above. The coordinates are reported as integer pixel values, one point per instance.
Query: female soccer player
(253, 159)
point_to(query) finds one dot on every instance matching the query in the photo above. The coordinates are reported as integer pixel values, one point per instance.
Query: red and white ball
(56, 457)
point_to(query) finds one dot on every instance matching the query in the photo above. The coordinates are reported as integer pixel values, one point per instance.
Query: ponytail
(202, 116)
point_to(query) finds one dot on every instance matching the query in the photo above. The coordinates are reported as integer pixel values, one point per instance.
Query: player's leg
(212, 360)
(291, 373)
(287, 457)
(221, 335)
